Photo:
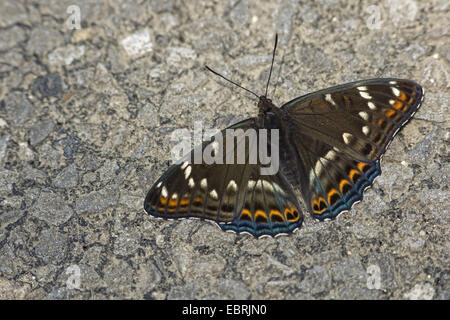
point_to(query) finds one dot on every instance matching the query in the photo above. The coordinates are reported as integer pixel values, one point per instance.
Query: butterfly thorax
(265, 104)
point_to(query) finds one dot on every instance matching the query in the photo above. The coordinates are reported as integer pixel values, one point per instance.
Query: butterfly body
(330, 147)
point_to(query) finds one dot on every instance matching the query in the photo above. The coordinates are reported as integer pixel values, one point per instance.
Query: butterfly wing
(236, 196)
(339, 136)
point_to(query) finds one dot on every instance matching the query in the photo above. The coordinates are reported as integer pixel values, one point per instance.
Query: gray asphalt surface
(88, 103)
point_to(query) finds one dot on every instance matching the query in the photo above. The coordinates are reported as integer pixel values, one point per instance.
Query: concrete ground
(91, 91)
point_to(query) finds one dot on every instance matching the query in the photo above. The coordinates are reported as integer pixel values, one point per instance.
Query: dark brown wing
(340, 135)
(236, 195)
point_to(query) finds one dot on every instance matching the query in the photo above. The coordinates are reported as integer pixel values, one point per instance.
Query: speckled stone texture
(86, 117)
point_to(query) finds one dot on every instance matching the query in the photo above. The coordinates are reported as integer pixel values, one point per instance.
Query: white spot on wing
(364, 115)
(187, 172)
(213, 194)
(159, 184)
(266, 185)
(347, 137)
(184, 165)
(164, 192)
(366, 130)
(330, 99)
(203, 183)
(396, 91)
(232, 186)
(191, 183)
(331, 155)
(312, 177)
(372, 106)
(318, 168)
(365, 95)
(362, 88)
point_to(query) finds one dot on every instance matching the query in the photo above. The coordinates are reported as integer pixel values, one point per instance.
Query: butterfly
(330, 146)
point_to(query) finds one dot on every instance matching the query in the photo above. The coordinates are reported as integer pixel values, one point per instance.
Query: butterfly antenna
(278, 77)
(236, 84)
(271, 66)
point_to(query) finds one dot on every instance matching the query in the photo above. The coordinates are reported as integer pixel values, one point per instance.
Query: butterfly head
(265, 104)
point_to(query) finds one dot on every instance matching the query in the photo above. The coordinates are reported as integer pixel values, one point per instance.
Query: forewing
(340, 135)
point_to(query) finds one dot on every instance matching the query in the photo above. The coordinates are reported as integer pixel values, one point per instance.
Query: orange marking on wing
(197, 201)
(342, 184)
(171, 205)
(361, 166)
(162, 200)
(316, 205)
(174, 202)
(184, 201)
(352, 173)
(159, 208)
(291, 214)
(331, 193)
(246, 213)
(398, 105)
(260, 213)
(389, 113)
(276, 213)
